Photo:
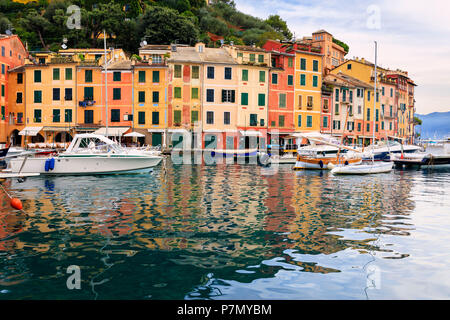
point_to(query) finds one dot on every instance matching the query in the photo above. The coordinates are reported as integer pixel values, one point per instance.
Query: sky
(412, 35)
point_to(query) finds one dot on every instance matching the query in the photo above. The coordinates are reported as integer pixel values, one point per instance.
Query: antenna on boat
(106, 83)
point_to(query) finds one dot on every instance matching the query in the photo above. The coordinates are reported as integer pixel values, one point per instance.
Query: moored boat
(368, 168)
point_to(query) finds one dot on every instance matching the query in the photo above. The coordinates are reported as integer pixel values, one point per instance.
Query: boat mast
(106, 83)
(374, 104)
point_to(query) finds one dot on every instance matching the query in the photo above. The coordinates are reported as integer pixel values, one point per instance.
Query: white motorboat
(287, 158)
(87, 154)
(382, 150)
(435, 154)
(369, 168)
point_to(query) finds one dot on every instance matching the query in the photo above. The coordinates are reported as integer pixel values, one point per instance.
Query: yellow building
(308, 84)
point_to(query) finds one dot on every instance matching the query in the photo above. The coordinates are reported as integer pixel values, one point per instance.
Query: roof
(185, 54)
(249, 48)
(155, 47)
(120, 65)
(353, 80)
(209, 55)
(345, 80)
(322, 31)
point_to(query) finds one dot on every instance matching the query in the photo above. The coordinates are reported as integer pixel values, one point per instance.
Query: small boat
(435, 154)
(369, 168)
(87, 154)
(382, 151)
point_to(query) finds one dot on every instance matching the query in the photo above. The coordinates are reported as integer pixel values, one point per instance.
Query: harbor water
(228, 232)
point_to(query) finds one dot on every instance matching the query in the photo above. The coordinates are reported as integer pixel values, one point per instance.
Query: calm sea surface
(229, 232)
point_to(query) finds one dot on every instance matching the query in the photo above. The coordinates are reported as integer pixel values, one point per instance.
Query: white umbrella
(134, 134)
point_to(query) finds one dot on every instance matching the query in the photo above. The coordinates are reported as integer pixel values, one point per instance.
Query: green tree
(279, 25)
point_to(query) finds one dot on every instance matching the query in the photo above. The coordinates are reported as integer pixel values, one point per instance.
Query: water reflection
(195, 232)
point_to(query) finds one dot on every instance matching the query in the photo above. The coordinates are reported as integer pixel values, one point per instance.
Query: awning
(58, 129)
(155, 130)
(250, 133)
(219, 131)
(134, 134)
(177, 130)
(112, 131)
(30, 131)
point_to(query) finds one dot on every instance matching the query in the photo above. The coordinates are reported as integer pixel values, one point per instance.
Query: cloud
(413, 36)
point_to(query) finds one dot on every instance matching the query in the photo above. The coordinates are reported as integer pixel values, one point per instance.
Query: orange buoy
(16, 203)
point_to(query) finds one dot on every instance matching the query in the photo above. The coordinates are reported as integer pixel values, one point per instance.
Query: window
(378, 96)
(209, 117)
(244, 98)
(141, 76)
(3, 90)
(260, 58)
(194, 116)
(155, 77)
(392, 92)
(390, 125)
(359, 109)
(274, 78)
(382, 91)
(37, 115)
(88, 116)
(281, 121)
(68, 115)
(37, 96)
(300, 101)
(194, 93)
(19, 78)
(68, 74)
(376, 127)
(227, 73)
(325, 104)
(3, 51)
(115, 115)
(350, 96)
(88, 76)
(244, 75)
(210, 73)
(209, 95)
(282, 100)
(390, 111)
(177, 117)
(315, 81)
(309, 121)
(368, 95)
(382, 125)
(155, 97)
(303, 80)
(177, 92)
(228, 96)
(88, 93)
(368, 127)
(177, 69)
(117, 92)
(368, 114)
(336, 94)
(310, 102)
(299, 120)
(56, 94)
(261, 99)
(141, 96)
(253, 120)
(195, 72)
(19, 97)
(336, 108)
(302, 64)
(37, 76)
(315, 65)
(117, 76)
(19, 117)
(252, 57)
(290, 62)
(349, 66)
(56, 115)
(377, 115)
(240, 55)
(155, 117)
(359, 127)
(141, 117)
(262, 76)
(3, 69)
(325, 122)
(226, 117)
(55, 73)
(290, 80)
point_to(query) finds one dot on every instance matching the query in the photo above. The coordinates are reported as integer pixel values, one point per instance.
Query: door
(156, 139)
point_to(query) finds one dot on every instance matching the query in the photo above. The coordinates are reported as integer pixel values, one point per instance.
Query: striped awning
(30, 131)
(112, 131)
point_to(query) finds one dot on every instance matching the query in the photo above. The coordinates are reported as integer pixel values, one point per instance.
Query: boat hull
(382, 167)
(305, 162)
(82, 165)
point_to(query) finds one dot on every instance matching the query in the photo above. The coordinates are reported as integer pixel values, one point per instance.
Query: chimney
(173, 47)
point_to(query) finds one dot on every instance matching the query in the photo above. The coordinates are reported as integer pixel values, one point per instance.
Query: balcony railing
(59, 60)
(86, 63)
(87, 102)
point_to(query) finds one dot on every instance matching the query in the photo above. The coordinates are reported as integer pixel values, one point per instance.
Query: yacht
(436, 153)
(381, 151)
(88, 154)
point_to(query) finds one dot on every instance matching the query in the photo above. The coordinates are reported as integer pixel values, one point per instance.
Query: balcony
(60, 60)
(87, 102)
(88, 63)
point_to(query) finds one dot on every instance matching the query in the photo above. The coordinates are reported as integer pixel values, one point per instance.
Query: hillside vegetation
(43, 24)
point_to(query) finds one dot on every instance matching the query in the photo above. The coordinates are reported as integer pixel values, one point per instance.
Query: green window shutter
(315, 81)
(117, 93)
(290, 80)
(282, 101)
(302, 64)
(37, 96)
(141, 95)
(37, 115)
(155, 96)
(274, 78)
(194, 116)
(290, 62)
(88, 75)
(177, 71)
(3, 90)
(309, 121)
(115, 115)
(155, 76)
(262, 76)
(194, 93)
(37, 76)
(368, 114)
(117, 76)
(281, 121)
(315, 65)
(252, 57)
(336, 108)
(3, 111)
(260, 58)
(244, 75)
(261, 99)
(325, 122)
(177, 116)
(142, 76)
(88, 93)
(68, 73)
(177, 92)
(299, 120)
(377, 115)
(303, 80)
(253, 120)
(56, 74)
(155, 117)
(195, 72)
(141, 117)
(68, 115)
(56, 115)
(244, 98)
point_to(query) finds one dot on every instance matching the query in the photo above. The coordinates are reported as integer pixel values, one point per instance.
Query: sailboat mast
(375, 95)
(106, 83)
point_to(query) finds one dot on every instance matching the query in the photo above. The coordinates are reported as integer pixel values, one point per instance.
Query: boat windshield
(96, 145)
